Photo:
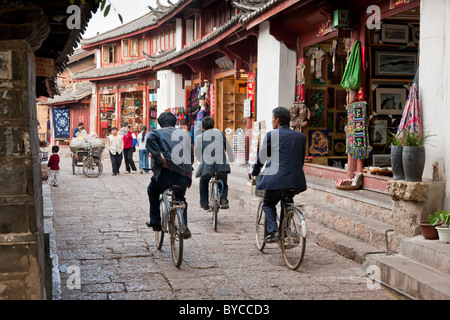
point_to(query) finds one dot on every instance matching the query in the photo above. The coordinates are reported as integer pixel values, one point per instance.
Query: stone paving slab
(100, 228)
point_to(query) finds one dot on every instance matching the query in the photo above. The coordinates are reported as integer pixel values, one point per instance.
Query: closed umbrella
(411, 119)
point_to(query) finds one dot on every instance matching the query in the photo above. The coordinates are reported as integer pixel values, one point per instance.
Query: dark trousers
(204, 187)
(270, 200)
(116, 161)
(158, 185)
(129, 162)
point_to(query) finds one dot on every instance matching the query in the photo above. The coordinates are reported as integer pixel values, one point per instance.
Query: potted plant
(396, 156)
(413, 157)
(444, 230)
(428, 229)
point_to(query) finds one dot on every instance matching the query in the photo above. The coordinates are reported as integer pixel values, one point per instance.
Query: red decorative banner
(251, 88)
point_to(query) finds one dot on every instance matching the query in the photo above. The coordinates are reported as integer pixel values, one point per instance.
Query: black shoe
(274, 236)
(224, 204)
(156, 227)
(187, 234)
(205, 206)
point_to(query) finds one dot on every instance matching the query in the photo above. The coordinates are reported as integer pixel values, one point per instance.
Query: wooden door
(79, 113)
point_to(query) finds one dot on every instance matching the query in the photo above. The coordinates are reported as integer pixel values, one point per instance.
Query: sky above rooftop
(129, 9)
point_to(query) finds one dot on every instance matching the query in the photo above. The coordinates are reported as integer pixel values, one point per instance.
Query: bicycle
(292, 230)
(215, 192)
(172, 211)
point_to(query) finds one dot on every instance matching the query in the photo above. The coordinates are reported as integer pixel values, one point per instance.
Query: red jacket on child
(53, 162)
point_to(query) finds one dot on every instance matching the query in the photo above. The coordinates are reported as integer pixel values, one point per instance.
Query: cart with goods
(87, 154)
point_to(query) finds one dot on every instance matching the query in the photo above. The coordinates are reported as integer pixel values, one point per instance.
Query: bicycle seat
(290, 192)
(175, 188)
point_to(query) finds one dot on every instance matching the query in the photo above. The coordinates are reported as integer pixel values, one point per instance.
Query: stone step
(359, 227)
(345, 245)
(366, 203)
(413, 278)
(429, 252)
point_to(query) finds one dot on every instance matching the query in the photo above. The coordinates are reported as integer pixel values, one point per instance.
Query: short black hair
(113, 128)
(282, 114)
(167, 119)
(208, 123)
(81, 124)
(55, 149)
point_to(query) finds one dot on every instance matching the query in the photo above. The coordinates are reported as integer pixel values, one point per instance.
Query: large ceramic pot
(413, 163)
(397, 163)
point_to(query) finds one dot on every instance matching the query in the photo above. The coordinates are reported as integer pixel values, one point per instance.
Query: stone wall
(22, 251)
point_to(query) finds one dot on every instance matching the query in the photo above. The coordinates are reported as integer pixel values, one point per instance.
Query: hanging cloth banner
(411, 120)
(61, 122)
(353, 75)
(357, 135)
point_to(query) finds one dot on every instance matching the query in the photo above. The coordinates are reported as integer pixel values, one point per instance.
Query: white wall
(178, 33)
(434, 87)
(276, 75)
(170, 92)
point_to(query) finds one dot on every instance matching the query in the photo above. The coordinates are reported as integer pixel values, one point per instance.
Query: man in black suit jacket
(283, 151)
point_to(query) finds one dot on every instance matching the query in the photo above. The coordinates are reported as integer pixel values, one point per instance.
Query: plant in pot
(413, 156)
(428, 229)
(444, 229)
(396, 156)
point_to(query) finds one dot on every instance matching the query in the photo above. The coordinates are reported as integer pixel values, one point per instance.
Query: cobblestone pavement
(100, 227)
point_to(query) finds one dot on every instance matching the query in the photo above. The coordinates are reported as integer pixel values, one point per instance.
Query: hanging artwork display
(61, 122)
(318, 143)
(317, 105)
(357, 135)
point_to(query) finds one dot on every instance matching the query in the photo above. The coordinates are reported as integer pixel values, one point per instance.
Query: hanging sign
(247, 108)
(251, 89)
(397, 3)
(45, 67)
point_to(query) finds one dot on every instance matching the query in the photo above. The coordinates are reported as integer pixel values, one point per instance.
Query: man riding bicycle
(283, 151)
(210, 150)
(172, 159)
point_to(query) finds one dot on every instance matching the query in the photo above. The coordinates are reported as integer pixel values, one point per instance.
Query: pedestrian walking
(53, 164)
(143, 152)
(128, 150)
(114, 144)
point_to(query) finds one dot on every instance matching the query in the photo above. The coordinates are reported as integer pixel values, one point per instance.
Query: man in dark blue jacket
(210, 150)
(283, 151)
(172, 159)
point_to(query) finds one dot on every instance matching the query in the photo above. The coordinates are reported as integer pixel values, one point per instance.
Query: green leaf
(107, 10)
(72, 1)
(120, 18)
(102, 5)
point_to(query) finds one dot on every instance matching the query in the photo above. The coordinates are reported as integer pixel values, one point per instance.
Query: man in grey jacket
(210, 150)
(172, 160)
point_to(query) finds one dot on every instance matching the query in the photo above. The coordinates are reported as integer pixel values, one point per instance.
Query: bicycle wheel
(260, 227)
(92, 168)
(176, 236)
(214, 204)
(159, 235)
(293, 238)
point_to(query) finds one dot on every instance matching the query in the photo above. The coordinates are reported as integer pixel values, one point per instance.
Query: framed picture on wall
(341, 99)
(379, 127)
(318, 143)
(390, 100)
(317, 105)
(395, 33)
(341, 122)
(394, 64)
(381, 160)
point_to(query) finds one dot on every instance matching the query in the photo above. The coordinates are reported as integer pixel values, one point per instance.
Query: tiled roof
(120, 69)
(233, 21)
(147, 20)
(74, 92)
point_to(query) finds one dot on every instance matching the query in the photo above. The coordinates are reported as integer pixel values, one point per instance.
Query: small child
(53, 163)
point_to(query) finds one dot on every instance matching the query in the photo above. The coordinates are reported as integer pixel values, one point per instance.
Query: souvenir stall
(132, 109)
(107, 113)
(153, 107)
